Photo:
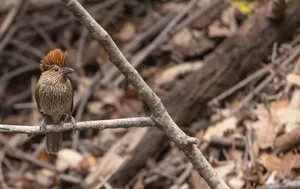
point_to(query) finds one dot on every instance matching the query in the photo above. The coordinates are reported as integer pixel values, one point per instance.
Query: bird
(54, 97)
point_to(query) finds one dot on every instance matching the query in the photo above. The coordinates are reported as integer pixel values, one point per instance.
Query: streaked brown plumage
(54, 96)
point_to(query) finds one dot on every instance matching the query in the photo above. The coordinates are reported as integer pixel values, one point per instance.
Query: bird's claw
(73, 123)
(43, 126)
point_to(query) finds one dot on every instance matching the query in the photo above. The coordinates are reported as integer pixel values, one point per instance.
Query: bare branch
(159, 113)
(99, 124)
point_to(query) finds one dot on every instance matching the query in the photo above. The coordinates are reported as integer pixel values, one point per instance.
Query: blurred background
(227, 74)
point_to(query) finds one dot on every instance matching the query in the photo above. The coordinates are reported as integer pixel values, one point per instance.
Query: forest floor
(250, 135)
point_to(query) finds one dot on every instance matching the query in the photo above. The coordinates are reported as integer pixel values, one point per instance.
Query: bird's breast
(55, 98)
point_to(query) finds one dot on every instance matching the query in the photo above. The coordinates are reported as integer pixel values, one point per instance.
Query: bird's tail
(54, 142)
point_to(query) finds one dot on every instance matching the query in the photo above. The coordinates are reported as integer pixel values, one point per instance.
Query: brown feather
(54, 57)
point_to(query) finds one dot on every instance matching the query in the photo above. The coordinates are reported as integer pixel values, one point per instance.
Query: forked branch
(159, 114)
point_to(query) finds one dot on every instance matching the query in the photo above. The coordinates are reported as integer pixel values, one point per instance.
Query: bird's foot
(43, 126)
(73, 123)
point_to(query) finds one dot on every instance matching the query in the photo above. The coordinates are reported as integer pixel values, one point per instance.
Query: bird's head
(55, 64)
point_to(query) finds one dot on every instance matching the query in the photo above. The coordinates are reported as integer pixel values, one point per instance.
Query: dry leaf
(91, 160)
(225, 169)
(171, 73)
(261, 113)
(220, 128)
(295, 100)
(81, 89)
(293, 79)
(271, 162)
(87, 164)
(183, 38)
(236, 155)
(265, 136)
(109, 96)
(97, 108)
(43, 157)
(289, 162)
(264, 125)
(44, 177)
(289, 117)
(191, 42)
(236, 183)
(173, 7)
(215, 30)
(68, 158)
(271, 179)
(278, 104)
(127, 32)
(131, 107)
(287, 141)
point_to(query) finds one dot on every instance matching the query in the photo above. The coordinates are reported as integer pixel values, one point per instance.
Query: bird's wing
(37, 97)
(72, 101)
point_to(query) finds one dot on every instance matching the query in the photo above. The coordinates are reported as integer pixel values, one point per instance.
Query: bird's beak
(68, 70)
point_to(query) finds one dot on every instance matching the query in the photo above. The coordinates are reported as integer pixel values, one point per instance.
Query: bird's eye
(56, 69)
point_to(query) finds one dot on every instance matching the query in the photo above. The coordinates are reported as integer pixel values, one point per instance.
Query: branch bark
(159, 114)
(99, 124)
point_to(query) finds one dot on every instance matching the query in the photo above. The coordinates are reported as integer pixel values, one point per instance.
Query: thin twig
(28, 48)
(227, 143)
(255, 76)
(9, 18)
(287, 184)
(80, 50)
(82, 103)
(19, 71)
(35, 120)
(207, 6)
(102, 5)
(58, 23)
(8, 36)
(13, 151)
(72, 179)
(266, 81)
(37, 151)
(255, 92)
(136, 43)
(149, 32)
(47, 39)
(160, 39)
(84, 31)
(186, 173)
(17, 97)
(2, 179)
(159, 114)
(6, 145)
(95, 82)
(19, 57)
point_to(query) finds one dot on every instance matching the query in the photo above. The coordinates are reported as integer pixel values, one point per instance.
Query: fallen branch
(287, 141)
(159, 114)
(99, 124)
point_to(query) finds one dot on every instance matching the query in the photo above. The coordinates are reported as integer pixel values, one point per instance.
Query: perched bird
(54, 96)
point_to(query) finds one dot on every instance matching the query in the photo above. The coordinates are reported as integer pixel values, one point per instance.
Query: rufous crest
(54, 57)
